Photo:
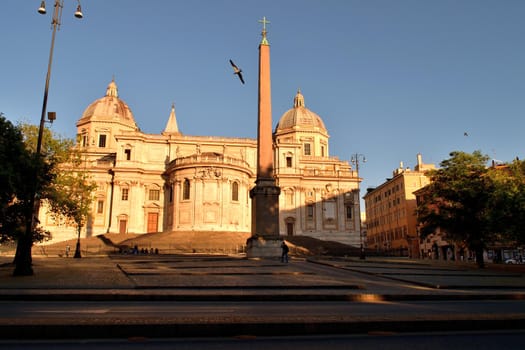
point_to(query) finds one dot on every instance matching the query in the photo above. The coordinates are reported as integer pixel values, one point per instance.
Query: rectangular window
(101, 141)
(154, 195)
(125, 193)
(307, 150)
(348, 212)
(127, 154)
(288, 162)
(100, 207)
(289, 198)
(310, 211)
(329, 210)
(322, 151)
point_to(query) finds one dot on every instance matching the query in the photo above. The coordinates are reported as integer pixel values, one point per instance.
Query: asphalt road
(428, 341)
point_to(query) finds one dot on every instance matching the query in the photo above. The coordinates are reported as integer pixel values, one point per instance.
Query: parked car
(512, 261)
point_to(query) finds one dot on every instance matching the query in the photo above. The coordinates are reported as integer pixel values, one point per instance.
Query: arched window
(186, 189)
(170, 193)
(235, 191)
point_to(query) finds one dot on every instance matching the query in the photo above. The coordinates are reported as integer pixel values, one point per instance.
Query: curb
(210, 328)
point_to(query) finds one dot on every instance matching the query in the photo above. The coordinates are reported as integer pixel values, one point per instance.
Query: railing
(304, 158)
(210, 159)
(317, 172)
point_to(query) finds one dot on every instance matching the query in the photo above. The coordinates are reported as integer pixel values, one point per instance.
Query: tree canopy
(472, 203)
(20, 174)
(508, 200)
(13, 155)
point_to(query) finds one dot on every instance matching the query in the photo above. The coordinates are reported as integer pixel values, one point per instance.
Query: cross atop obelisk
(264, 22)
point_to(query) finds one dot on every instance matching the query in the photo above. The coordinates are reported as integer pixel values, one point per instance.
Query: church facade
(176, 182)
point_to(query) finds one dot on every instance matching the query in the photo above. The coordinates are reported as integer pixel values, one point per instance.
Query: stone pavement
(206, 277)
(234, 278)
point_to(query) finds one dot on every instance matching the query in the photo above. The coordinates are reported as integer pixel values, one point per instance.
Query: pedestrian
(67, 251)
(284, 255)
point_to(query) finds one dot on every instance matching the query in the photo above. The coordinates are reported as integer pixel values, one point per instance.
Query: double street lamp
(55, 24)
(356, 158)
(23, 258)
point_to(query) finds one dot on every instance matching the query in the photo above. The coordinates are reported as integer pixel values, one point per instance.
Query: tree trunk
(479, 257)
(23, 260)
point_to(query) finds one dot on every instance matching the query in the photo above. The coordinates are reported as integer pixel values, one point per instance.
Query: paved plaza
(234, 280)
(215, 275)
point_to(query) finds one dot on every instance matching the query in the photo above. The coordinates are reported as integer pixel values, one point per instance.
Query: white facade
(170, 181)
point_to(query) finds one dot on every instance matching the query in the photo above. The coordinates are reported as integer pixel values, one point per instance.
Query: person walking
(284, 255)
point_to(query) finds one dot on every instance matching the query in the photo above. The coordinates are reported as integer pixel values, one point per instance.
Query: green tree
(17, 164)
(32, 178)
(23, 174)
(55, 148)
(458, 201)
(71, 195)
(508, 200)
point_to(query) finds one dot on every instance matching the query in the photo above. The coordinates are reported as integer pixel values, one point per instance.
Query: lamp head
(42, 8)
(78, 12)
(51, 116)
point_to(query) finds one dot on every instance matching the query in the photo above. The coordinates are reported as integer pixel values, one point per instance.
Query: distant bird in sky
(237, 70)
(465, 134)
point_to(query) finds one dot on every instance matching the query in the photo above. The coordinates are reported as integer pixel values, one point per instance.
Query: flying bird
(465, 134)
(237, 70)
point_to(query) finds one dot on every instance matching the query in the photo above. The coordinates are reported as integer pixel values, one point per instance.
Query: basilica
(172, 181)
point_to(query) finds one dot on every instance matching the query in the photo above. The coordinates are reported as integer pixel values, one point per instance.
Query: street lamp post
(355, 159)
(23, 259)
(55, 24)
(78, 255)
(80, 214)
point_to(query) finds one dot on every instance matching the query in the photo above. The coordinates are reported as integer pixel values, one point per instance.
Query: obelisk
(265, 240)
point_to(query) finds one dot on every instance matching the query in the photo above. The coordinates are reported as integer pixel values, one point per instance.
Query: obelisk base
(265, 241)
(264, 247)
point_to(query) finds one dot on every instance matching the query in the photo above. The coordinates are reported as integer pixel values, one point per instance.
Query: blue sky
(389, 78)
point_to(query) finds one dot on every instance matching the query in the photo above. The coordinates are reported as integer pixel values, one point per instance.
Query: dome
(300, 118)
(109, 108)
